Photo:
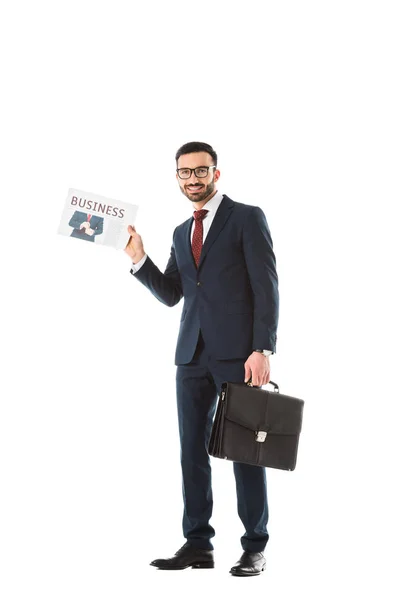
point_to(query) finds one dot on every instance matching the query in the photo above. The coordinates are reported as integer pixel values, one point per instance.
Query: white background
(301, 102)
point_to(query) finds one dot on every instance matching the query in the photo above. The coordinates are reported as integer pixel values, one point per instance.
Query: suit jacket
(78, 218)
(233, 295)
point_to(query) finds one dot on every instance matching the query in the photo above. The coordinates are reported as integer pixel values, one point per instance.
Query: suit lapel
(221, 216)
(187, 228)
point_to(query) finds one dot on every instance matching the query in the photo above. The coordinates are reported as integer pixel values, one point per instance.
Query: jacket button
(198, 284)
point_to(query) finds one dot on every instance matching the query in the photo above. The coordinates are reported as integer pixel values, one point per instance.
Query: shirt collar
(213, 204)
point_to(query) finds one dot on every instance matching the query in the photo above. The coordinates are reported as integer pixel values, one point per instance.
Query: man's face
(197, 189)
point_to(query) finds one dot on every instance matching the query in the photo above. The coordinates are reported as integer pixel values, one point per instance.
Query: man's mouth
(194, 188)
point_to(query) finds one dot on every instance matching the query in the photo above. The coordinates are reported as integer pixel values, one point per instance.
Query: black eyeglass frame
(194, 171)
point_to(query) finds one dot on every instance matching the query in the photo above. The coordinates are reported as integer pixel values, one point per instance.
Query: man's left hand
(258, 368)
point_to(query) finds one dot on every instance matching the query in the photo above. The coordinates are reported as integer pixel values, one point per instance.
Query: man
(86, 226)
(222, 263)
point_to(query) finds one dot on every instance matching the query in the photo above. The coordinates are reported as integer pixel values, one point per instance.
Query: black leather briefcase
(256, 426)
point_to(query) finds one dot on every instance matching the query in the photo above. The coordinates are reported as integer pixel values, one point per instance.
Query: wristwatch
(265, 352)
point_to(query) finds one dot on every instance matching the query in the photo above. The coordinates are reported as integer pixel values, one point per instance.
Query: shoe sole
(203, 565)
(238, 574)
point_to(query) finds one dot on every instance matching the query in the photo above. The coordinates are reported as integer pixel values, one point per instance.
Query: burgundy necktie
(197, 240)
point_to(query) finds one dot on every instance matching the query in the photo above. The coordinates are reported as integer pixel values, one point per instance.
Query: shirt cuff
(136, 267)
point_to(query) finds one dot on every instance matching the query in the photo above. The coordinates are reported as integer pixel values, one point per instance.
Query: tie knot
(200, 214)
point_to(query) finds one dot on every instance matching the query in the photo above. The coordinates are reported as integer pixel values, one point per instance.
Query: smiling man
(223, 265)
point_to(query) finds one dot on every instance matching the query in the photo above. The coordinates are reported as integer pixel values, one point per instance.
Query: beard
(207, 191)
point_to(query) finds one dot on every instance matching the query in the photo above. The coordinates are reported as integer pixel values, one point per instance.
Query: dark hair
(196, 147)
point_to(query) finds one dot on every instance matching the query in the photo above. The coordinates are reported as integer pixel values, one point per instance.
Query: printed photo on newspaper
(97, 219)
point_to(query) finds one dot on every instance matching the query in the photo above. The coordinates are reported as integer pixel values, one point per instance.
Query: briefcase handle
(276, 386)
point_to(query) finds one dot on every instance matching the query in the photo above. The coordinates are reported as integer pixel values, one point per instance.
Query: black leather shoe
(250, 563)
(187, 556)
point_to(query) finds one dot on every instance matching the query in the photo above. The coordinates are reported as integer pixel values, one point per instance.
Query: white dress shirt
(212, 207)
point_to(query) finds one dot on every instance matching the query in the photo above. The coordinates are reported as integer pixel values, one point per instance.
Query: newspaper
(97, 219)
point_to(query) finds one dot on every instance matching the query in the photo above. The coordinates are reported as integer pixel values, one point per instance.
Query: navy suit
(230, 308)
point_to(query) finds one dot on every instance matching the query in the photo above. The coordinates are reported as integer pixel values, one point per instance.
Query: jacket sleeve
(76, 220)
(99, 227)
(167, 286)
(261, 267)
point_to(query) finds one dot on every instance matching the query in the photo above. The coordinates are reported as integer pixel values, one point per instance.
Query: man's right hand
(134, 247)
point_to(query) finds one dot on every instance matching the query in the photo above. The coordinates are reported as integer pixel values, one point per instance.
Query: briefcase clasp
(260, 436)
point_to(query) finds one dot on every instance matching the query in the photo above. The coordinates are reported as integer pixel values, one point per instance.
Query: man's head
(198, 186)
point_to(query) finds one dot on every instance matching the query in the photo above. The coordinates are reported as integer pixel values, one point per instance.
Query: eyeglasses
(198, 171)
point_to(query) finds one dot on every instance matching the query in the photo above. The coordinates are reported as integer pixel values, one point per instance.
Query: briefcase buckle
(260, 436)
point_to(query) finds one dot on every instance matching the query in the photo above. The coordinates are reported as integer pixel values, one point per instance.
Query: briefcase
(256, 426)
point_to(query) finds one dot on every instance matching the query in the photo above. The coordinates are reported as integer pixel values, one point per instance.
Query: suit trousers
(198, 384)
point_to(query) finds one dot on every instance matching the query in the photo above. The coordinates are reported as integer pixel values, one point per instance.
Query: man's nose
(193, 178)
